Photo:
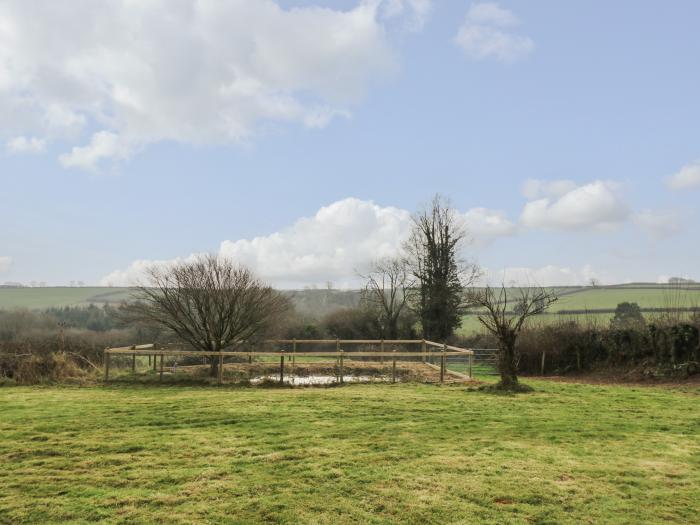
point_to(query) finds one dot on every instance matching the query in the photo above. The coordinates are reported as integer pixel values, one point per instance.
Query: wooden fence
(427, 352)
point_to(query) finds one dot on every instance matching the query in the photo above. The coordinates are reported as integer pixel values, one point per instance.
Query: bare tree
(209, 303)
(504, 316)
(389, 287)
(434, 253)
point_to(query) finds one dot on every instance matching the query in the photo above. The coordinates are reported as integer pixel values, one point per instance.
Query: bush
(573, 347)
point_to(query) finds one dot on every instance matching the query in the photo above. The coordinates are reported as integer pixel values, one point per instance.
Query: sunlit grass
(353, 454)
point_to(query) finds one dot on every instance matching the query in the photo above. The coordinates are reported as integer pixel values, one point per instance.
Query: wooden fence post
(221, 369)
(393, 367)
(162, 358)
(294, 351)
(542, 364)
(282, 368)
(442, 363)
(133, 363)
(106, 366)
(341, 366)
(381, 350)
(422, 350)
(471, 360)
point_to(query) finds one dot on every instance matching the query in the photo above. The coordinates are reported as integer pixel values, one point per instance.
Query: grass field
(355, 454)
(572, 298)
(40, 298)
(647, 295)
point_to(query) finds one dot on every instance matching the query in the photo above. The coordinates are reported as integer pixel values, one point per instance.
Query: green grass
(471, 325)
(355, 454)
(657, 297)
(40, 298)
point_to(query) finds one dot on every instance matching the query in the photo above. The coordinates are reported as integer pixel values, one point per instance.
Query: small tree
(388, 289)
(628, 316)
(505, 324)
(434, 254)
(209, 303)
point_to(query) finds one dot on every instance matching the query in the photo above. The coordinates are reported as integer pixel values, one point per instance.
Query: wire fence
(295, 362)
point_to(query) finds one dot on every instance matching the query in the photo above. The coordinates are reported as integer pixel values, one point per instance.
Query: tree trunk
(506, 365)
(214, 367)
(393, 329)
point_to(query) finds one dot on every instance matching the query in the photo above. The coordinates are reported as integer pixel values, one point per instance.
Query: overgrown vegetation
(657, 348)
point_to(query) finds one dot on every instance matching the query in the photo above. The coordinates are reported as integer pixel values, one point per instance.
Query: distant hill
(40, 298)
(316, 303)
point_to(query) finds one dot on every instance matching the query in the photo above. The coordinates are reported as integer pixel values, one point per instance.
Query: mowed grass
(406, 453)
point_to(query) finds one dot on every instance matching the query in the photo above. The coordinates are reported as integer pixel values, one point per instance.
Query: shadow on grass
(499, 389)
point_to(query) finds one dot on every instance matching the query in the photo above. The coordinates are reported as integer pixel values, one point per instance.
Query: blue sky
(299, 136)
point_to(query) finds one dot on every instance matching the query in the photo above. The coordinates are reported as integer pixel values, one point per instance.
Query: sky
(298, 137)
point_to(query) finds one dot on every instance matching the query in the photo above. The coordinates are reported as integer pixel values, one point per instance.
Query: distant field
(39, 298)
(647, 295)
(470, 323)
(316, 303)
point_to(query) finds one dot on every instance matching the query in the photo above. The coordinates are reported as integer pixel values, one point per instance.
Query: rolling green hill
(316, 303)
(595, 305)
(39, 298)
(646, 295)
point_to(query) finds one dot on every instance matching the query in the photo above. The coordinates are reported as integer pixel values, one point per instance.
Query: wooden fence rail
(425, 353)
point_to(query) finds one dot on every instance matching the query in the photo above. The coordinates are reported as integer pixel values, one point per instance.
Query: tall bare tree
(504, 315)
(209, 303)
(388, 288)
(434, 253)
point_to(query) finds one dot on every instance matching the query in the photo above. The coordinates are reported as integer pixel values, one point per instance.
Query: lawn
(355, 454)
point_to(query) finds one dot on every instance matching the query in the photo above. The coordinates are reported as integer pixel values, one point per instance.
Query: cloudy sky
(298, 136)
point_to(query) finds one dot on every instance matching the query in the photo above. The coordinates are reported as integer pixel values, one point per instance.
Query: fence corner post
(422, 350)
(221, 368)
(393, 366)
(106, 365)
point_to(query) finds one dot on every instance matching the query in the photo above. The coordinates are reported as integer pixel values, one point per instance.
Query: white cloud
(5, 264)
(21, 144)
(416, 12)
(549, 275)
(536, 188)
(135, 274)
(330, 246)
(687, 177)
(484, 225)
(103, 145)
(192, 71)
(487, 33)
(595, 206)
(658, 225)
